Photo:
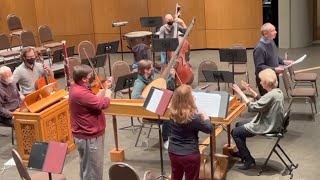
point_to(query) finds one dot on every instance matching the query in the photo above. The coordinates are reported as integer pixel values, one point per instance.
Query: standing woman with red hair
(186, 122)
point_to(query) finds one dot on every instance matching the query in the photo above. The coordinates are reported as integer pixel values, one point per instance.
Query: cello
(46, 78)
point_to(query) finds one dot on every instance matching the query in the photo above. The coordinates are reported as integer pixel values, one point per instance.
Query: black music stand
(153, 23)
(233, 56)
(126, 82)
(218, 76)
(165, 45)
(107, 48)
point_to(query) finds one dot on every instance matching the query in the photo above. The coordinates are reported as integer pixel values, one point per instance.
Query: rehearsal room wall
(295, 23)
(218, 23)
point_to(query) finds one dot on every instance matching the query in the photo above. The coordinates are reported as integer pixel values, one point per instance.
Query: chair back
(45, 34)
(286, 82)
(291, 72)
(206, 65)
(119, 68)
(73, 61)
(14, 22)
(4, 41)
(122, 171)
(27, 39)
(21, 168)
(86, 47)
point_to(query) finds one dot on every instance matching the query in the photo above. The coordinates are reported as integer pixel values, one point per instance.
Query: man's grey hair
(4, 69)
(265, 28)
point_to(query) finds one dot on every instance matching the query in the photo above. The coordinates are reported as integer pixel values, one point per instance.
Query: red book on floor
(55, 157)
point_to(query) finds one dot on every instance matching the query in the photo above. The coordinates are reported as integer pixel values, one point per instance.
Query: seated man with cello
(28, 72)
(145, 77)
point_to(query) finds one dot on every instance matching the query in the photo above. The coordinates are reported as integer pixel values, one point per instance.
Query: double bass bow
(66, 65)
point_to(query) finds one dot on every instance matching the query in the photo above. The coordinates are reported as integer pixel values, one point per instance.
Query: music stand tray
(107, 47)
(218, 76)
(165, 44)
(155, 21)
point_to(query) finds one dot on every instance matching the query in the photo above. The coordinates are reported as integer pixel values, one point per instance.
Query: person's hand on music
(287, 62)
(279, 69)
(172, 73)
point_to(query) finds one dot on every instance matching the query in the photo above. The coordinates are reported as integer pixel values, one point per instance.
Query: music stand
(233, 56)
(153, 23)
(218, 76)
(126, 82)
(107, 48)
(165, 45)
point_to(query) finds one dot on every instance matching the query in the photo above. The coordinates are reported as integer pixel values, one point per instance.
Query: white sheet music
(154, 100)
(208, 103)
(297, 61)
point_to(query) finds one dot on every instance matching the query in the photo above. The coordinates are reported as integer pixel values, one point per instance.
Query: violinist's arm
(101, 93)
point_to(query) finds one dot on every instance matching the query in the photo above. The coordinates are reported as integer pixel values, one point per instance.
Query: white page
(208, 103)
(297, 61)
(154, 100)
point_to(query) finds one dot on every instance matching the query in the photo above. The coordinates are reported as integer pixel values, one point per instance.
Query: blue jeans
(240, 134)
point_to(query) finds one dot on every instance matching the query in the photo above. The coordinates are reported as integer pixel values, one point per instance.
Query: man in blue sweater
(265, 54)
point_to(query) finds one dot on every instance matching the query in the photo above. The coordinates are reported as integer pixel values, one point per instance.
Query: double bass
(185, 75)
(46, 78)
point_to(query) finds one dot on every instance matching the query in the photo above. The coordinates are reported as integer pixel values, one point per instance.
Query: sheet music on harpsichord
(213, 104)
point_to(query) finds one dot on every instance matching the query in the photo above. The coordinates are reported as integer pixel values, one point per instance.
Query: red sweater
(87, 118)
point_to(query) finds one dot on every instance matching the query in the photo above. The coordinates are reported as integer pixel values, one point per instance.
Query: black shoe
(247, 164)
(236, 154)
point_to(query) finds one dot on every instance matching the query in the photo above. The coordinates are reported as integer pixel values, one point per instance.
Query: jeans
(239, 134)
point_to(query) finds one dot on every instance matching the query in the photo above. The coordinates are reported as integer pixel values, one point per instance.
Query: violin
(46, 78)
(97, 83)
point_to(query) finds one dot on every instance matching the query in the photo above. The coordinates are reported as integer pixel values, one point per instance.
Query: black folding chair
(291, 166)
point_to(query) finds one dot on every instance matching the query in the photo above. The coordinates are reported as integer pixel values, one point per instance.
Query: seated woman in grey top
(269, 118)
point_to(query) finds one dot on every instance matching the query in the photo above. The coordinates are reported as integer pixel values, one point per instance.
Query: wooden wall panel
(5, 10)
(190, 8)
(226, 38)
(107, 12)
(66, 18)
(74, 40)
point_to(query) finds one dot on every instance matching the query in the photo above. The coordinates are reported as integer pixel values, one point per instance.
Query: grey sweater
(270, 113)
(265, 55)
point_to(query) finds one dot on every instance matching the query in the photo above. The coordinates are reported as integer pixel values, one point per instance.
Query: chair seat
(303, 92)
(17, 33)
(305, 77)
(44, 175)
(9, 53)
(151, 121)
(272, 135)
(53, 45)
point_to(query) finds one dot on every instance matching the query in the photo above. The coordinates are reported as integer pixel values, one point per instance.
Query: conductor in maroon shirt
(88, 122)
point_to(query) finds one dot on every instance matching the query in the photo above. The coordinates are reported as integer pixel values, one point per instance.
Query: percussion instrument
(138, 37)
